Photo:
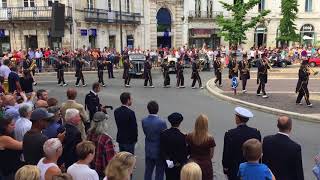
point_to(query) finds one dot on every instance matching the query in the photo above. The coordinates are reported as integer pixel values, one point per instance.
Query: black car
(275, 61)
(137, 61)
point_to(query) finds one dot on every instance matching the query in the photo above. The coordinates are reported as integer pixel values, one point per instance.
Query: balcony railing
(105, 16)
(204, 14)
(39, 13)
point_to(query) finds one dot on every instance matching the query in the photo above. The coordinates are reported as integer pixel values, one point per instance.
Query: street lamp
(120, 13)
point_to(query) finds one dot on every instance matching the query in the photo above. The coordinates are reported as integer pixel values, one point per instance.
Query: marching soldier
(126, 68)
(195, 74)
(29, 66)
(101, 66)
(302, 85)
(233, 67)
(147, 74)
(218, 67)
(60, 65)
(79, 65)
(244, 68)
(180, 77)
(166, 76)
(262, 79)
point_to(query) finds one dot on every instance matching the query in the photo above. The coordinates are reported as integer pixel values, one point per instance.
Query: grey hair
(24, 109)
(51, 146)
(70, 114)
(99, 127)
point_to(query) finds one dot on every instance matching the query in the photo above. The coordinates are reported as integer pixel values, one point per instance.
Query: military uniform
(101, 66)
(79, 75)
(244, 68)
(262, 77)
(195, 74)
(233, 72)
(60, 65)
(147, 74)
(302, 86)
(233, 141)
(180, 77)
(126, 75)
(217, 65)
(166, 76)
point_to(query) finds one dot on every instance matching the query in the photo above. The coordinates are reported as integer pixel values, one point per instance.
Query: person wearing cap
(218, 67)
(262, 74)
(147, 73)
(52, 130)
(60, 65)
(302, 85)
(233, 141)
(195, 72)
(173, 147)
(179, 71)
(233, 66)
(98, 134)
(33, 140)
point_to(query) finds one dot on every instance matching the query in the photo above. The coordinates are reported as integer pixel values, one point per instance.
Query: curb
(72, 72)
(218, 93)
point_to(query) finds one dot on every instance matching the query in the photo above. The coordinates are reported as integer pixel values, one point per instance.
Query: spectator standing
(52, 130)
(23, 124)
(121, 166)
(71, 103)
(81, 170)
(281, 154)
(173, 147)
(252, 169)
(152, 126)
(33, 140)
(72, 137)
(201, 145)
(103, 142)
(52, 102)
(14, 81)
(233, 141)
(28, 172)
(127, 134)
(48, 165)
(10, 149)
(4, 73)
(191, 171)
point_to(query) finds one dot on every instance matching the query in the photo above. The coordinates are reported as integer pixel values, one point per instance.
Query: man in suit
(152, 126)
(281, 154)
(71, 103)
(125, 118)
(233, 141)
(173, 147)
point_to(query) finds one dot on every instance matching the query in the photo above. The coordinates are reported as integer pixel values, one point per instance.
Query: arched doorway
(307, 34)
(164, 28)
(260, 36)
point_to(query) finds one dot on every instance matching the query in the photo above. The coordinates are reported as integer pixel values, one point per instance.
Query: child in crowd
(253, 170)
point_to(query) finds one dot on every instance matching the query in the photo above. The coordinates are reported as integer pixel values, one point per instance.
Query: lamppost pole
(120, 13)
(73, 14)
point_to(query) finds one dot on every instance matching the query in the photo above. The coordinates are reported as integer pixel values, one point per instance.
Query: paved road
(190, 103)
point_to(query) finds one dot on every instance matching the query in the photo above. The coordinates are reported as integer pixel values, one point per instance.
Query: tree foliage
(234, 29)
(287, 27)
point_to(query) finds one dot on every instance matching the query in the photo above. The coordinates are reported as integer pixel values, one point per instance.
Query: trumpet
(33, 65)
(312, 71)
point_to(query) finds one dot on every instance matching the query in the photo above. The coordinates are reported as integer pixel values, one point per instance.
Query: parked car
(314, 61)
(137, 61)
(275, 61)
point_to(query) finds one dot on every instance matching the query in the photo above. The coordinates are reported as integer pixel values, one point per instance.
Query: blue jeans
(159, 164)
(127, 147)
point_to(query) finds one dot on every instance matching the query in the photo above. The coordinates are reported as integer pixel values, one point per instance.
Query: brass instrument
(312, 71)
(236, 68)
(246, 68)
(33, 65)
(200, 64)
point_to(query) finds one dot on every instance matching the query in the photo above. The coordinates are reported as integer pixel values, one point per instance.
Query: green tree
(287, 27)
(234, 29)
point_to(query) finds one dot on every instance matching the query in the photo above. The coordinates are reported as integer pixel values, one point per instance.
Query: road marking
(271, 92)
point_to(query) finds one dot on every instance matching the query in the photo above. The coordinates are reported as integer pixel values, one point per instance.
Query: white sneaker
(103, 85)
(201, 87)
(182, 86)
(84, 85)
(259, 94)
(193, 87)
(65, 84)
(35, 83)
(145, 86)
(309, 105)
(77, 85)
(244, 91)
(264, 96)
(151, 86)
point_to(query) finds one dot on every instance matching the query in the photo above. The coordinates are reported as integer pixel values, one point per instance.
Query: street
(189, 102)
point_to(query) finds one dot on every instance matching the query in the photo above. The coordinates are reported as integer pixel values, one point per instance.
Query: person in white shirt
(48, 165)
(81, 170)
(23, 124)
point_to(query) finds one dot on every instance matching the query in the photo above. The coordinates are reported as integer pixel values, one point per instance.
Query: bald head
(284, 124)
(41, 104)
(72, 94)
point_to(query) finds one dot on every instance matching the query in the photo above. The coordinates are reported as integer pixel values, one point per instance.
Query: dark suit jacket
(173, 146)
(283, 157)
(92, 103)
(232, 149)
(72, 138)
(127, 125)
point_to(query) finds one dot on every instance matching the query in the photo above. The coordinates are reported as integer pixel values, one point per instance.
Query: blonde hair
(191, 171)
(118, 167)
(200, 133)
(28, 172)
(63, 176)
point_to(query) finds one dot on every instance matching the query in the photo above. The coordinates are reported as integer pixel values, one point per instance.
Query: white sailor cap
(240, 111)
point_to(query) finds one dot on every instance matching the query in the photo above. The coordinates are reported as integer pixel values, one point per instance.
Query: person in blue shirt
(252, 169)
(152, 126)
(52, 130)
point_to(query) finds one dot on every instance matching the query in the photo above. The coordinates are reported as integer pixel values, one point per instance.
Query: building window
(109, 5)
(128, 6)
(28, 3)
(50, 2)
(209, 8)
(261, 6)
(4, 4)
(198, 8)
(308, 6)
(90, 4)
